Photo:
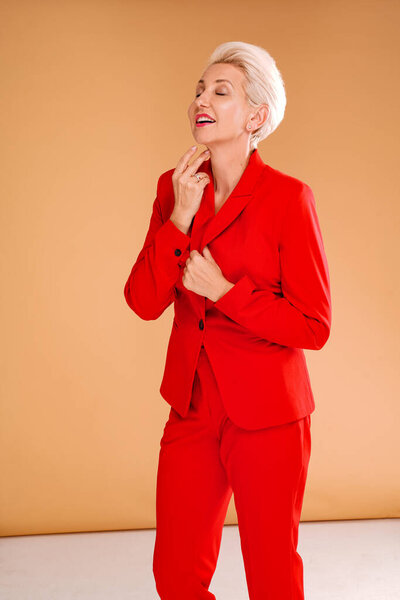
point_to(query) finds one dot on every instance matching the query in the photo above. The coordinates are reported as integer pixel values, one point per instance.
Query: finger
(204, 178)
(207, 254)
(184, 160)
(192, 168)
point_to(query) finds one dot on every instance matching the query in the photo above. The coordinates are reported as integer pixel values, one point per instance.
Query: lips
(204, 116)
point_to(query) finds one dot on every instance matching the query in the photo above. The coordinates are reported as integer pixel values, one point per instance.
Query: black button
(178, 252)
(201, 324)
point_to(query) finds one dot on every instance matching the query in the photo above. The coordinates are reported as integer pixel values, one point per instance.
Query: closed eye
(218, 94)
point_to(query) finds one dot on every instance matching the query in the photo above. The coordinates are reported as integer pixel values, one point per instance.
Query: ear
(207, 254)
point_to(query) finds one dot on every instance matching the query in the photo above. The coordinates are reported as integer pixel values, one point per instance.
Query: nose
(201, 100)
(202, 105)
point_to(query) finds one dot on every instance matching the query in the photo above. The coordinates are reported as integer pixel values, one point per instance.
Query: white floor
(346, 560)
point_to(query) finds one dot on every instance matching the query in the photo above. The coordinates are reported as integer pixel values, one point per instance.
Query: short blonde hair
(263, 82)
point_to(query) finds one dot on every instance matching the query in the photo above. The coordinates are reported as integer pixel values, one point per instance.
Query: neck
(227, 168)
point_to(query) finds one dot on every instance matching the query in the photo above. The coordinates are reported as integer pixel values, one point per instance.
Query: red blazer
(266, 239)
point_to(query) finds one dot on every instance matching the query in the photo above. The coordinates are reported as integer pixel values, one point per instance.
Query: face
(223, 101)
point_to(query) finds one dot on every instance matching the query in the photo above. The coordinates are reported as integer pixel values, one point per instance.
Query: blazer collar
(206, 224)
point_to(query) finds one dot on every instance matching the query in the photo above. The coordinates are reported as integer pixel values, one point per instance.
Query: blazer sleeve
(149, 289)
(301, 315)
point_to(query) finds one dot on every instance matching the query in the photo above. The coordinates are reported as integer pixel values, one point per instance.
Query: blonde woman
(236, 246)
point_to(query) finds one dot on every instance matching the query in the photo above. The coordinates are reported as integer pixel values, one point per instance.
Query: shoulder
(293, 194)
(286, 183)
(165, 193)
(165, 180)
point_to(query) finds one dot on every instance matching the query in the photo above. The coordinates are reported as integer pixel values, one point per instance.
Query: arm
(150, 285)
(301, 316)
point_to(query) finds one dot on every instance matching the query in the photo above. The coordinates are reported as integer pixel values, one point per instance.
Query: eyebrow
(216, 81)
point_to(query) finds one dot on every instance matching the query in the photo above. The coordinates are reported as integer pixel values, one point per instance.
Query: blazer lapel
(204, 213)
(207, 225)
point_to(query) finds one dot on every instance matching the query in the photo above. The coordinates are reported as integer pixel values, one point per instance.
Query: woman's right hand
(187, 190)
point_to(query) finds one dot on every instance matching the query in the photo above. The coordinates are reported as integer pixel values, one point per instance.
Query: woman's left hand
(203, 276)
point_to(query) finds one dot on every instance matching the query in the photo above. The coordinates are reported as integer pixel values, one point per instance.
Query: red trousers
(203, 459)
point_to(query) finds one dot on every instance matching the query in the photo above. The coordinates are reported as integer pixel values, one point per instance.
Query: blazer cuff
(236, 297)
(171, 236)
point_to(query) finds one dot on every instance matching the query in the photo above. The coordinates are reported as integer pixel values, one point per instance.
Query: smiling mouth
(203, 123)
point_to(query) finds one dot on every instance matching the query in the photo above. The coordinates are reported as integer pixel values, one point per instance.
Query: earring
(248, 125)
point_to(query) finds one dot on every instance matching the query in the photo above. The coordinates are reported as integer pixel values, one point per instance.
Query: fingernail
(193, 147)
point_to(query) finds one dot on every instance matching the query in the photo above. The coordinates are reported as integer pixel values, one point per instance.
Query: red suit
(236, 378)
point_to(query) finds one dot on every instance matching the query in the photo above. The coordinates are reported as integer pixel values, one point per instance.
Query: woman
(237, 248)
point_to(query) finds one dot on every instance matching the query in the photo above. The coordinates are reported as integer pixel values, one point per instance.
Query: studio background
(94, 105)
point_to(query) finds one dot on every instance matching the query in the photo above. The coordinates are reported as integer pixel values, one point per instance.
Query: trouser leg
(267, 469)
(192, 499)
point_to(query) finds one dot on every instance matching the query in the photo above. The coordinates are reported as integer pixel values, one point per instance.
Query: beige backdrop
(93, 109)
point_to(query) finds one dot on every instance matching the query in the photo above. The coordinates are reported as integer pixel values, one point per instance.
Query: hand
(203, 276)
(188, 191)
